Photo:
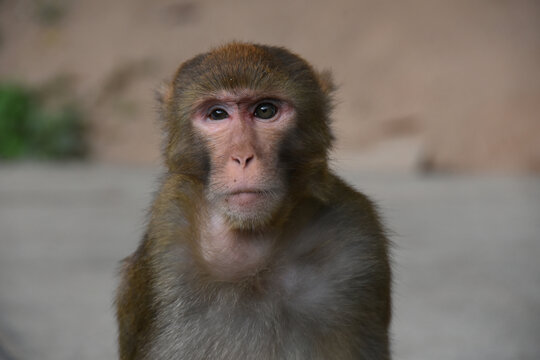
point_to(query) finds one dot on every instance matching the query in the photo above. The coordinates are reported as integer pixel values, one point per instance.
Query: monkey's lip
(245, 196)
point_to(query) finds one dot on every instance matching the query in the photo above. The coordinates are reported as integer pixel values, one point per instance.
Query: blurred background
(437, 119)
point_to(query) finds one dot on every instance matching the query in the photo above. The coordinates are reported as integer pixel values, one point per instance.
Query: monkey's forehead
(244, 65)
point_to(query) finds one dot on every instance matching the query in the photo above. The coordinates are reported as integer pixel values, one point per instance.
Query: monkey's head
(250, 123)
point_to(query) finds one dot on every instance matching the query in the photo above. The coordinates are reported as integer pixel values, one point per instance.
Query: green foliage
(28, 129)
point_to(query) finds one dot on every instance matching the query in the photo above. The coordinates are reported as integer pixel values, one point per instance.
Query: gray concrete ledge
(467, 268)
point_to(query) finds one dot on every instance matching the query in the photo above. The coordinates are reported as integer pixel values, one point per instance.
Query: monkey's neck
(230, 254)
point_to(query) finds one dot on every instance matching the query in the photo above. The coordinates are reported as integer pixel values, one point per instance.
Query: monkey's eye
(265, 111)
(218, 114)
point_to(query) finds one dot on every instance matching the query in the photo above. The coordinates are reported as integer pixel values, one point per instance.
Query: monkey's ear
(164, 93)
(326, 82)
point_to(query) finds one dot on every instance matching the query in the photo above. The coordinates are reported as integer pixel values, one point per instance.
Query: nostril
(243, 161)
(237, 160)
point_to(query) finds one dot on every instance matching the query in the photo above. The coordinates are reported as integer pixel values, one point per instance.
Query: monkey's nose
(243, 161)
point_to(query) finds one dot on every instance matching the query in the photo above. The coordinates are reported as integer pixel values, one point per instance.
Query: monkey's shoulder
(339, 250)
(346, 231)
(135, 270)
(134, 310)
(348, 211)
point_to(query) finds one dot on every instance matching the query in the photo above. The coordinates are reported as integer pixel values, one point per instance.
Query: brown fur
(319, 286)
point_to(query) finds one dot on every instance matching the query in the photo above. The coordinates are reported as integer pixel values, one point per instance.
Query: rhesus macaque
(254, 248)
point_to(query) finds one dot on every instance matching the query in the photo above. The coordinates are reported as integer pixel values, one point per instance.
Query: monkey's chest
(270, 317)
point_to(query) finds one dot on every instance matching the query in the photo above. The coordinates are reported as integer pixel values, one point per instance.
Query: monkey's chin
(250, 210)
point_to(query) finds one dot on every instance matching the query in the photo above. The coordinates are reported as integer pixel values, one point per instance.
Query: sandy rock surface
(451, 85)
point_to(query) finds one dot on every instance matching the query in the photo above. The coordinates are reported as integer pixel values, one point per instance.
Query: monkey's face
(242, 132)
(250, 123)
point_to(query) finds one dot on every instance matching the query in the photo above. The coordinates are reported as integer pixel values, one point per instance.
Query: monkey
(254, 247)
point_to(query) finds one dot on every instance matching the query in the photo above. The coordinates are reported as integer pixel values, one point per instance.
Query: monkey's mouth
(245, 197)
